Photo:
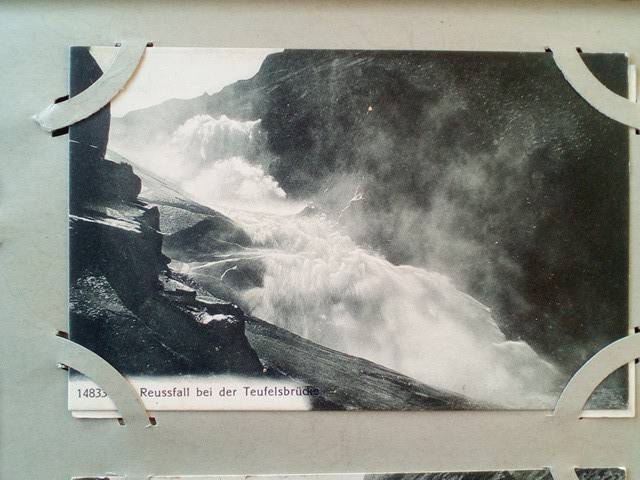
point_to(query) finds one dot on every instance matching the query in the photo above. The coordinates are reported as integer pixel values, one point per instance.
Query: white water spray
(319, 284)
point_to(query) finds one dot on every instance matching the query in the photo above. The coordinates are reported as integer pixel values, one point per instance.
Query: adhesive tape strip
(587, 85)
(89, 101)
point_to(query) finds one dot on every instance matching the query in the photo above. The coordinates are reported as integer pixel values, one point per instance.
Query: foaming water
(320, 284)
(207, 158)
(204, 139)
(215, 150)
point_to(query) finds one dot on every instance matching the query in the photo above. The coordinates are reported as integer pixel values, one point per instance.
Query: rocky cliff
(124, 305)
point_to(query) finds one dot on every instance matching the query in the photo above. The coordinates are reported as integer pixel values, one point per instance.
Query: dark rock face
(119, 307)
(213, 234)
(227, 263)
(120, 240)
(163, 337)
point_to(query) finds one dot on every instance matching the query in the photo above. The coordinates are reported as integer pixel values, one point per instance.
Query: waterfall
(204, 139)
(320, 284)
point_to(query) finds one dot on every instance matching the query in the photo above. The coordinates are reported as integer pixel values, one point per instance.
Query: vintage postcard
(347, 229)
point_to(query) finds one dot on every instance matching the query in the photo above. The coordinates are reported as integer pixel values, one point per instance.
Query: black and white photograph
(348, 229)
